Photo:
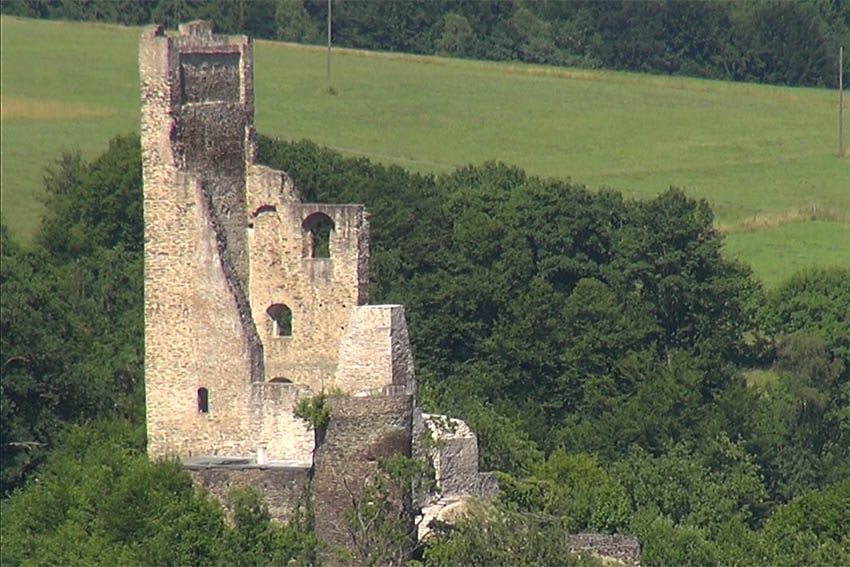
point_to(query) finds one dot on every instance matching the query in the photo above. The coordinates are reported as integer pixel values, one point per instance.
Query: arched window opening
(280, 380)
(203, 400)
(280, 320)
(319, 227)
(264, 209)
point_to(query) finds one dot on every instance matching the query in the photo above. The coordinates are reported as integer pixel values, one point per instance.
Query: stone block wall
(198, 330)
(454, 454)
(319, 292)
(375, 351)
(283, 487)
(360, 432)
(245, 314)
(276, 429)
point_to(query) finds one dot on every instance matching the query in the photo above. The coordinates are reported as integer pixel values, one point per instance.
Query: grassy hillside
(763, 156)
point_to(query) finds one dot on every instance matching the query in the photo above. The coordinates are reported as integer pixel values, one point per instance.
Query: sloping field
(763, 156)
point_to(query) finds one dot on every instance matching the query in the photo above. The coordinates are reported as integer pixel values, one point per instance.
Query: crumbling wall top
(196, 27)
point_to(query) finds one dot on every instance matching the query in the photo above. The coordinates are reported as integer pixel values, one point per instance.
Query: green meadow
(764, 157)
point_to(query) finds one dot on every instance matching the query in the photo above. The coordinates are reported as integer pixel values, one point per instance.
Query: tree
(813, 301)
(71, 307)
(488, 535)
(294, 23)
(456, 37)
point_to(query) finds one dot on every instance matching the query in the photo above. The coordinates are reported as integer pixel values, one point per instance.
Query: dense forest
(783, 42)
(620, 373)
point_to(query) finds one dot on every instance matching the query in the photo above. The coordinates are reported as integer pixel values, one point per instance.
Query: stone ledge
(205, 462)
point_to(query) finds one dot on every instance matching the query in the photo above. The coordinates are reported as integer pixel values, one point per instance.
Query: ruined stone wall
(453, 451)
(283, 488)
(230, 250)
(375, 351)
(275, 429)
(320, 292)
(361, 430)
(227, 239)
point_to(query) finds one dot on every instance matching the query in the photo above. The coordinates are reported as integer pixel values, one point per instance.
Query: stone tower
(254, 299)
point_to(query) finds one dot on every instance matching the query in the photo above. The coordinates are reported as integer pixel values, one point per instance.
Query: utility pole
(840, 101)
(330, 86)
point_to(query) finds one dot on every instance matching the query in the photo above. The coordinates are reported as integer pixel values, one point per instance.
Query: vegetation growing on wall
(596, 344)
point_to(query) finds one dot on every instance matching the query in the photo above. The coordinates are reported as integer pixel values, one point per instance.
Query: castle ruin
(255, 300)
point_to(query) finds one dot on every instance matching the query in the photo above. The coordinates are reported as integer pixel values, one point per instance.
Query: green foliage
(799, 430)
(97, 498)
(592, 341)
(294, 23)
(456, 35)
(815, 301)
(72, 316)
(488, 535)
(379, 512)
(573, 488)
(548, 302)
(94, 205)
(664, 544)
(811, 529)
(314, 411)
(253, 539)
(547, 315)
(703, 489)
(807, 531)
(98, 490)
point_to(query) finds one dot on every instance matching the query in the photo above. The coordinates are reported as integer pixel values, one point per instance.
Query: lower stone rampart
(282, 487)
(360, 432)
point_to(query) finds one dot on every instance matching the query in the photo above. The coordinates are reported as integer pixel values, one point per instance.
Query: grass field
(764, 157)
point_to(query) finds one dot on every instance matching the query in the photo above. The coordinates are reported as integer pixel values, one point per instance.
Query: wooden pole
(330, 87)
(841, 101)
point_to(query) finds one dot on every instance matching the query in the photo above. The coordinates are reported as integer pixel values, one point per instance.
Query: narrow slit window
(280, 320)
(203, 400)
(318, 227)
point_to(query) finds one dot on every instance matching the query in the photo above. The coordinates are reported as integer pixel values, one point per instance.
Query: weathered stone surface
(454, 454)
(375, 351)
(198, 328)
(226, 240)
(283, 487)
(361, 430)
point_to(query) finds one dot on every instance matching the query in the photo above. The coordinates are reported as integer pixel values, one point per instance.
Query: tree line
(782, 42)
(621, 373)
